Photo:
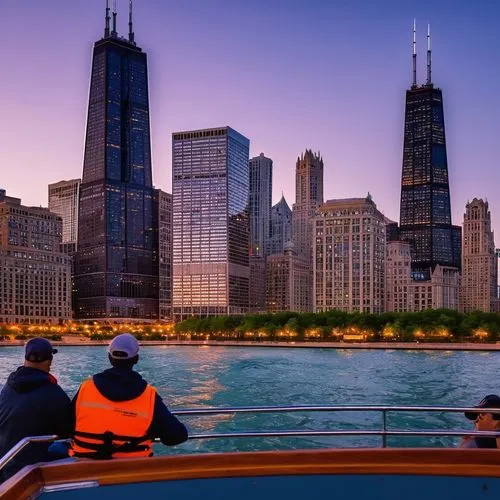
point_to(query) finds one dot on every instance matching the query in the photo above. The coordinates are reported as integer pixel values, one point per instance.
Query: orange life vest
(112, 429)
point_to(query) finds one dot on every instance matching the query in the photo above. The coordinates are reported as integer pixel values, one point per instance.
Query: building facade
(349, 256)
(399, 289)
(35, 276)
(116, 265)
(479, 262)
(210, 180)
(260, 203)
(289, 282)
(63, 201)
(281, 227)
(308, 197)
(165, 257)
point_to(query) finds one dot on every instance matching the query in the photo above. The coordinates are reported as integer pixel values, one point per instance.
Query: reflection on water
(206, 376)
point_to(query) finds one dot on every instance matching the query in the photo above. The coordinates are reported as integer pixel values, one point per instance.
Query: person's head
(487, 420)
(38, 354)
(123, 352)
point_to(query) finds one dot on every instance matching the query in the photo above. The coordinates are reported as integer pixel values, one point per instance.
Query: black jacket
(32, 404)
(121, 384)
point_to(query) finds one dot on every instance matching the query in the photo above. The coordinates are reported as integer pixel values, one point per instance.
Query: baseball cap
(489, 401)
(124, 346)
(38, 349)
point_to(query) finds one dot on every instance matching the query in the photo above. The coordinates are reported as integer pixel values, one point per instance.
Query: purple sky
(289, 74)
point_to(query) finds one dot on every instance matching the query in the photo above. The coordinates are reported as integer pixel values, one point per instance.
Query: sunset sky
(288, 74)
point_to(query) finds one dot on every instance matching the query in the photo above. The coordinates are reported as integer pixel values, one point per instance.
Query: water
(199, 376)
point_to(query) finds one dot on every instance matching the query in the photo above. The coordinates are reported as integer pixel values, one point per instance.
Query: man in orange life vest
(117, 413)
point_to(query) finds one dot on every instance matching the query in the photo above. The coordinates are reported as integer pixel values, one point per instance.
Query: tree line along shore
(441, 325)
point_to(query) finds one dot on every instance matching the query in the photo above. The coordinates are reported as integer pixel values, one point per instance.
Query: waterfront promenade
(421, 346)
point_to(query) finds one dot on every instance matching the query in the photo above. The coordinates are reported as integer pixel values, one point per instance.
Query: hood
(26, 379)
(119, 384)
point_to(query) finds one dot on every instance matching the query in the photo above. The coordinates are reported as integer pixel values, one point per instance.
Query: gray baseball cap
(124, 346)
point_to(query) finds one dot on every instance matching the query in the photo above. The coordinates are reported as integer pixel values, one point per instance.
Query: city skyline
(299, 102)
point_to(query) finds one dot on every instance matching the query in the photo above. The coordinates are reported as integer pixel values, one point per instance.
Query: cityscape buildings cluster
(112, 247)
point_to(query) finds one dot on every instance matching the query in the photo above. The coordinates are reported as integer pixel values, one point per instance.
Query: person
(33, 404)
(484, 421)
(117, 413)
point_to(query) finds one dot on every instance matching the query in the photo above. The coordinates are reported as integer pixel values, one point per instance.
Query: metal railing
(383, 432)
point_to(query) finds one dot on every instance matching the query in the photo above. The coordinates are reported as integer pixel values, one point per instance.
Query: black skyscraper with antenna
(116, 266)
(425, 212)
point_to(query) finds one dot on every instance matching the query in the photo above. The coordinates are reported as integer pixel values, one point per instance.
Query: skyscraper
(281, 226)
(63, 201)
(425, 213)
(116, 266)
(165, 254)
(308, 196)
(210, 181)
(479, 269)
(260, 202)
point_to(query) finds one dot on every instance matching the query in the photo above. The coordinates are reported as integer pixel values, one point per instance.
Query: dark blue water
(198, 376)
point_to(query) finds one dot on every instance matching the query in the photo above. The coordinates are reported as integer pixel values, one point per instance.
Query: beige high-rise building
(35, 276)
(349, 256)
(479, 265)
(399, 289)
(63, 201)
(308, 197)
(289, 282)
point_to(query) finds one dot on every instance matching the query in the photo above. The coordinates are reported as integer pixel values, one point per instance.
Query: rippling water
(197, 376)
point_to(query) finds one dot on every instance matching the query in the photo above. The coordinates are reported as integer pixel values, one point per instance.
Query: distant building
(165, 254)
(479, 262)
(63, 201)
(35, 276)
(349, 256)
(289, 282)
(116, 264)
(399, 289)
(281, 227)
(260, 202)
(308, 197)
(210, 179)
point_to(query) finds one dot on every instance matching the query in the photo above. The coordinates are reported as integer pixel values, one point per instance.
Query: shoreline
(431, 346)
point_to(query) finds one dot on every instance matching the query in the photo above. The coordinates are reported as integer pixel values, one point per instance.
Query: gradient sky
(289, 74)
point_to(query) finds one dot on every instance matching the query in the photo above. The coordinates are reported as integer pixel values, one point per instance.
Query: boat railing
(383, 431)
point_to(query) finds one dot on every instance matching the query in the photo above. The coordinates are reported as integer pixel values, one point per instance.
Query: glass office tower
(425, 213)
(116, 266)
(210, 181)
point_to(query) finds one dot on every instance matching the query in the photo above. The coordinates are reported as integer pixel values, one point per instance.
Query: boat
(354, 473)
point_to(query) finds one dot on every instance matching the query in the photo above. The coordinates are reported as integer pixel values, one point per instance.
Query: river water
(199, 376)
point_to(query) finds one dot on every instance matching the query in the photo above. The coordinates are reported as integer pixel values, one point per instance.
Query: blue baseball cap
(124, 346)
(38, 350)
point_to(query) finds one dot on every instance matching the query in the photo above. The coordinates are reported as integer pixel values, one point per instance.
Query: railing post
(384, 429)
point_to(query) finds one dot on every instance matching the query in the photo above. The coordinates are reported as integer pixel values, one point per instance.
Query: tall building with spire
(116, 266)
(281, 227)
(308, 197)
(425, 213)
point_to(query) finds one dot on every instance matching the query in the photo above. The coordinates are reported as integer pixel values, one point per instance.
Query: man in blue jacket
(118, 413)
(32, 404)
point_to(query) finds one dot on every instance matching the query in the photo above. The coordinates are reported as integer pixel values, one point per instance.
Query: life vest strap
(111, 436)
